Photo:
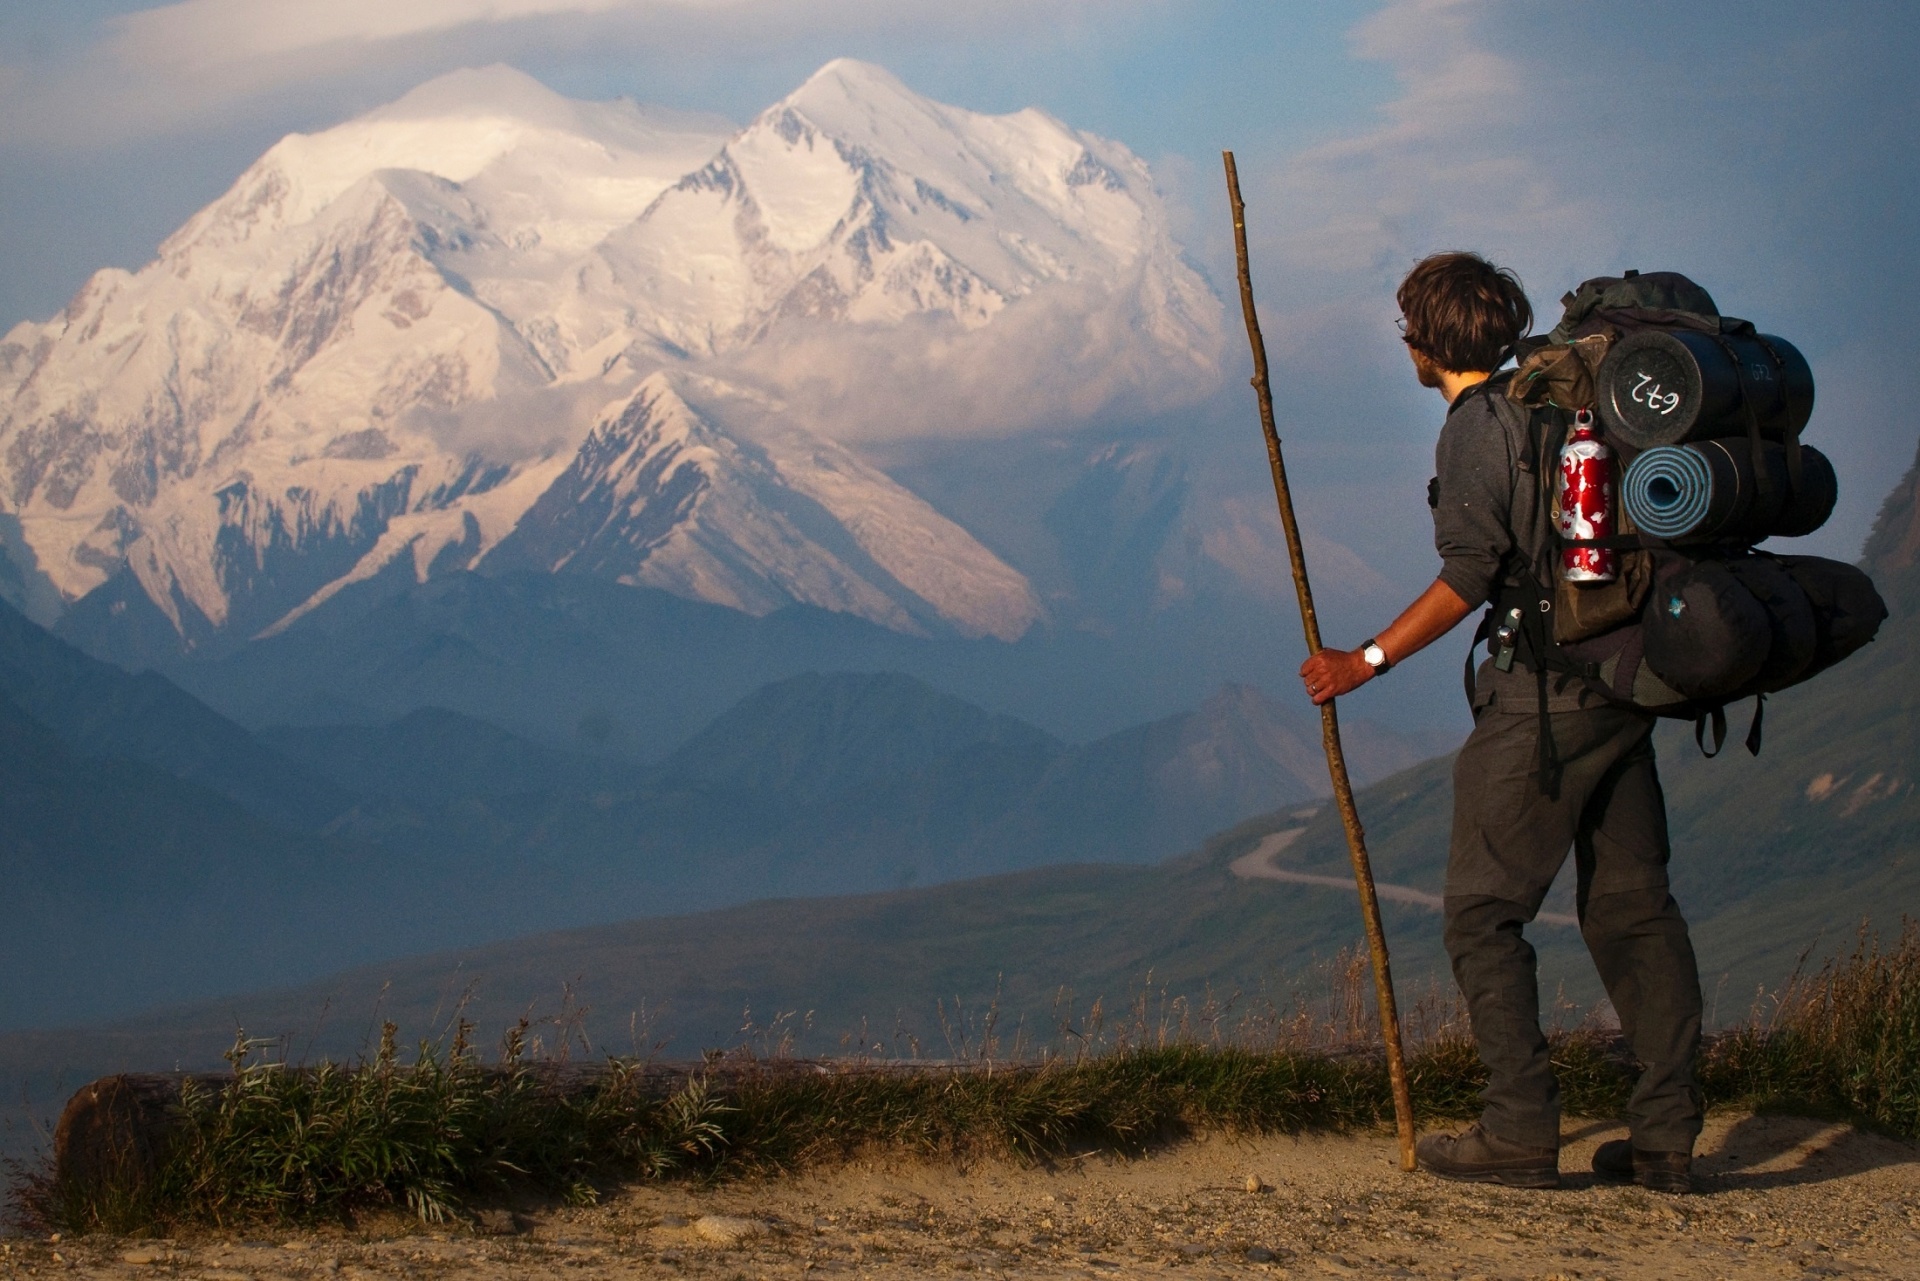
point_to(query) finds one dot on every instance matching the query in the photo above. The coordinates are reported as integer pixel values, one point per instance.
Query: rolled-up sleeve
(1472, 493)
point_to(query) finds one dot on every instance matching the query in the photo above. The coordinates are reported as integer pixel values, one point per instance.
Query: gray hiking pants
(1509, 841)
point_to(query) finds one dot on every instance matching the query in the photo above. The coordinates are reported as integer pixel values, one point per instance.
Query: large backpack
(1704, 414)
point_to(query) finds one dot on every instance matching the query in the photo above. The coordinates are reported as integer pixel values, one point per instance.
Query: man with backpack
(1552, 763)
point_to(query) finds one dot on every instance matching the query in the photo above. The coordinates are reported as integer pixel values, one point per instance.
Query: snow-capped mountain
(488, 327)
(855, 199)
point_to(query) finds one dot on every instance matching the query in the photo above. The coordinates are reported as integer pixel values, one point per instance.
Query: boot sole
(1675, 1184)
(1672, 1184)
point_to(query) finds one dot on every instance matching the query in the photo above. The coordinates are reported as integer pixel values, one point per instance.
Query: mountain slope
(816, 785)
(814, 736)
(878, 960)
(99, 711)
(658, 495)
(434, 756)
(441, 829)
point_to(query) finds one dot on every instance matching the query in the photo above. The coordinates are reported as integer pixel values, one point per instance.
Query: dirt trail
(1257, 863)
(1780, 1197)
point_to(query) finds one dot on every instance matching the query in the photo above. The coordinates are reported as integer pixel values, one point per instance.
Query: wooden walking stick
(1329, 719)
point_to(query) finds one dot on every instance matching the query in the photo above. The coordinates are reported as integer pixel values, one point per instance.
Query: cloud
(1060, 356)
(520, 425)
(198, 34)
(1454, 161)
(188, 65)
(185, 65)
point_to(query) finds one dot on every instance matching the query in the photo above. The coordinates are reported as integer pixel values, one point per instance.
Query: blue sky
(1766, 148)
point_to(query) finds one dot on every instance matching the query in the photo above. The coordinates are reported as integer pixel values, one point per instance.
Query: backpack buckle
(1506, 640)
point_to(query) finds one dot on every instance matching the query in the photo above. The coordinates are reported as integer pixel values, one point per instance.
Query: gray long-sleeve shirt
(1488, 504)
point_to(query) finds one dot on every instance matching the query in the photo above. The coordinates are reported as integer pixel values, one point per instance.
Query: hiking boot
(1475, 1156)
(1618, 1161)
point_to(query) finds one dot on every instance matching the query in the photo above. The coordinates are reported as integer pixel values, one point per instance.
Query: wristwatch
(1375, 657)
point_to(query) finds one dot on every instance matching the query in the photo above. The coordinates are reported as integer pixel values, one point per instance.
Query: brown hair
(1462, 312)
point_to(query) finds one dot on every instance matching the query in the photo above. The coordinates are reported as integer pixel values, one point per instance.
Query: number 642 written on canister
(1660, 402)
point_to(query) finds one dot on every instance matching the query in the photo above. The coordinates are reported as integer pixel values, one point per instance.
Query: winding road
(1257, 864)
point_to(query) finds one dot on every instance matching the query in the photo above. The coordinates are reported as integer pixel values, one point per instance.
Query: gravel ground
(1779, 1197)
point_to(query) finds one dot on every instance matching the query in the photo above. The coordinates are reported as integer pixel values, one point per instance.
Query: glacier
(486, 327)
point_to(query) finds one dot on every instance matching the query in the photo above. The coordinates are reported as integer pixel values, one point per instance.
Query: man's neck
(1452, 383)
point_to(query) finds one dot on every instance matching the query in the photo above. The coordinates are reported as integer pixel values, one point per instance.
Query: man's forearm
(1333, 672)
(1437, 612)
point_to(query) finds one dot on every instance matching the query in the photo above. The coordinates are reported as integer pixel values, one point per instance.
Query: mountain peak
(854, 75)
(846, 82)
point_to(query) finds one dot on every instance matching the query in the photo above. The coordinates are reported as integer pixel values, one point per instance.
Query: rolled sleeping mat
(1708, 491)
(1669, 386)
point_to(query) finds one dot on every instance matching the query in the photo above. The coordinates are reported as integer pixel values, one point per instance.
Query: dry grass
(1843, 1042)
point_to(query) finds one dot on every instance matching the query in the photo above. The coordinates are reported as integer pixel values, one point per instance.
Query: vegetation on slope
(273, 1142)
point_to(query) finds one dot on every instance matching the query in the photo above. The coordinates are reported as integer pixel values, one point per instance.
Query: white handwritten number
(1658, 401)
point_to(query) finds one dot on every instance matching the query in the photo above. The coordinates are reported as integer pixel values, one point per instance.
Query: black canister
(1667, 386)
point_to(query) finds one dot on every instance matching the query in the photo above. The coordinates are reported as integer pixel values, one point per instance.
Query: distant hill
(812, 737)
(437, 756)
(607, 668)
(99, 711)
(125, 886)
(1190, 927)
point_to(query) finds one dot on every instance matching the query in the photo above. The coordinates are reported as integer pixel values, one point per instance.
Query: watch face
(1375, 656)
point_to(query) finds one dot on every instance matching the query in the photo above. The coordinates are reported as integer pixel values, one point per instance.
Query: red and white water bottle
(1584, 495)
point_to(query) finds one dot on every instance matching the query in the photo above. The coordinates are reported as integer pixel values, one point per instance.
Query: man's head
(1461, 314)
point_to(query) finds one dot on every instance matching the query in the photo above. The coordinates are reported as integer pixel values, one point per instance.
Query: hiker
(1512, 823)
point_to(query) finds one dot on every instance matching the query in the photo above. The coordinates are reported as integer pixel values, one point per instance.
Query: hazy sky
(1766, 148)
